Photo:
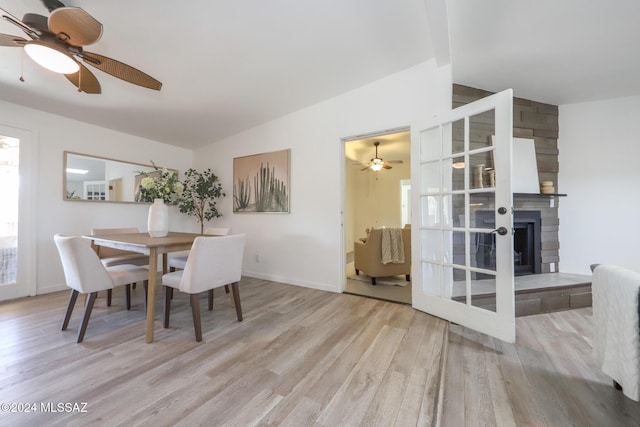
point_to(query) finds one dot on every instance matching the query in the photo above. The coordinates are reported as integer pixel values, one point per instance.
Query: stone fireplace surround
(537, 121)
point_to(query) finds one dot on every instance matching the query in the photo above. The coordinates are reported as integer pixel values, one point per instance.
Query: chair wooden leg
(72, 302)
(226, 289)
(87, 313)
(357, 272)
(109, 294)
(127, 291)
(168, 293)
(373, 281)
(195, 309)
(133, 286)
(236, 297)
(210, 299)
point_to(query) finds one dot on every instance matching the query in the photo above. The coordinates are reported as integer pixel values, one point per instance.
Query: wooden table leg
(151, 294)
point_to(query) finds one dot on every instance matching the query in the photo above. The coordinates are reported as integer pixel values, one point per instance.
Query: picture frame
(261, 182)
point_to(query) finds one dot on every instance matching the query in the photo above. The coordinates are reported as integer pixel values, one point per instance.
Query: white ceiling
(553, 51)
(393, 146)
(228, 66)
(225, 66)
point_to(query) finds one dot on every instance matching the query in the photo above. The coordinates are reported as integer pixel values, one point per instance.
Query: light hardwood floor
(548, 378)
(401, 294)
(300, 357)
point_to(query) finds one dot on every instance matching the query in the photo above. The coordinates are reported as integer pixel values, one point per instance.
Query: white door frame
(343, 181)
(432, 261)
(26, 270)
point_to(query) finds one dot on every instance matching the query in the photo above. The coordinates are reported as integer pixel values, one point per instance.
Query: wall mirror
(102, 179)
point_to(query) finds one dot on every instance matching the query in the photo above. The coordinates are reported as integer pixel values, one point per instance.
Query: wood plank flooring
(548, 378)
(301, 357)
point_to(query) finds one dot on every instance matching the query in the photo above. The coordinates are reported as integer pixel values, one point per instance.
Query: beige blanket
(392, 246)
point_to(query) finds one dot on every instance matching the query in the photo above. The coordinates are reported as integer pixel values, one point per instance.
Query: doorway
(377, 185)
(17, 175)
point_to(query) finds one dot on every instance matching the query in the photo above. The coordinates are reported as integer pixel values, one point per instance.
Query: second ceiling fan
(377, 163)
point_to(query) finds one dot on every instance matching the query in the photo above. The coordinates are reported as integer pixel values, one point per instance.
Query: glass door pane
(9, 188)
(466, 267)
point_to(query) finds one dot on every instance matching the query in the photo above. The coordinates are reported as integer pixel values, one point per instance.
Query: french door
(463, 270)
(17, 179)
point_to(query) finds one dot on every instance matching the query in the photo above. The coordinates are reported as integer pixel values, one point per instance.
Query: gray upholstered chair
(213, 262)
(84, 273)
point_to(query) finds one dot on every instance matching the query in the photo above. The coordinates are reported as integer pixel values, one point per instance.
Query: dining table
(143, 243)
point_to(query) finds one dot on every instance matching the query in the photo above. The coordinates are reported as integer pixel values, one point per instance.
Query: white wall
(54, 135)
(305, 247)
(599, 146)
(377, 198)
(372, 199)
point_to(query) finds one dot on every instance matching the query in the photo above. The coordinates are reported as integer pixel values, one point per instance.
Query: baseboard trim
(288, 281)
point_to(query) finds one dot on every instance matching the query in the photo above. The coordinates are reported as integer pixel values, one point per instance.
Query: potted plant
(198, 198)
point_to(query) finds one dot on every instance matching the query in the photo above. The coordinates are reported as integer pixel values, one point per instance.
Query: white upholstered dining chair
(112, 256)
(180, 262)
(84, 273)
(213, 262)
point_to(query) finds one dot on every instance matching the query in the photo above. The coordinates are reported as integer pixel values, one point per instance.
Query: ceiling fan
(57, 44)
(377, 163)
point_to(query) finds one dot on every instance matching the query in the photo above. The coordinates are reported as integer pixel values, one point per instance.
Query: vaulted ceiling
(228, 66)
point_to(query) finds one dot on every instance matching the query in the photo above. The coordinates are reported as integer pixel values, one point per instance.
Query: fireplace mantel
(538, 195)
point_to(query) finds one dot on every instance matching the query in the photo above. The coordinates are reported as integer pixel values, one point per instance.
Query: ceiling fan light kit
(51, 56)
(377, 163)
(57, 45)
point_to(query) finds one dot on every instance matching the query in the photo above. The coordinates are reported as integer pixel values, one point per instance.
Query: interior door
(463, 268)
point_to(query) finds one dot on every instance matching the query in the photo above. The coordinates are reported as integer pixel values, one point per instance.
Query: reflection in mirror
(101, 179)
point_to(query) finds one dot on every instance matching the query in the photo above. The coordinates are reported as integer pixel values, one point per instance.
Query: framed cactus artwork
(261, 182)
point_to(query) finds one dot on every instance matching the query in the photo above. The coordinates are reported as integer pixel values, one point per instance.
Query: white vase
(158, 222)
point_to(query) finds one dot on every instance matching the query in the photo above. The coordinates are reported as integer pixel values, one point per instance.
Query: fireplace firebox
(526, 242)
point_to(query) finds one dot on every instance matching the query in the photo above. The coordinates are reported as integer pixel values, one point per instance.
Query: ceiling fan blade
(394, 161)
(364, 169)
(85, 80)
(31, 32)
(76, 26)
(9, 40)
(36, 22)
(121, 70)
(386, 167)
(52, 5)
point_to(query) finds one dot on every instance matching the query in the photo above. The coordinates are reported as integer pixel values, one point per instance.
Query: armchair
(368, 257)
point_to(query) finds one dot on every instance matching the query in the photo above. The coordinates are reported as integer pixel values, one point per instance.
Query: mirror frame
(64, 176)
